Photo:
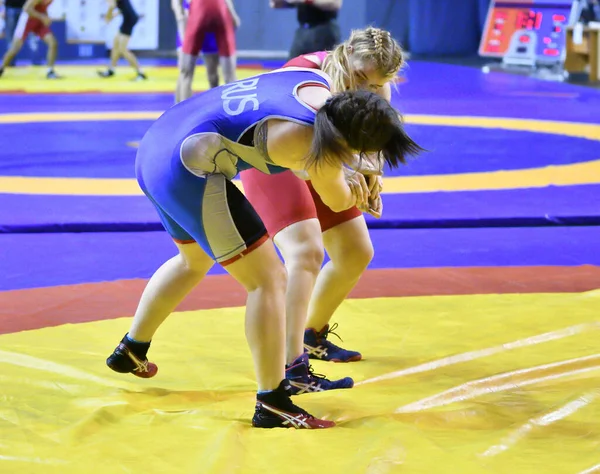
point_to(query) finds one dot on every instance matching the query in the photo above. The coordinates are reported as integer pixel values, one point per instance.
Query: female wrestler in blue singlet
(285, 119)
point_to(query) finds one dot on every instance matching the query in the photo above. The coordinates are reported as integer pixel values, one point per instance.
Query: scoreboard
(529, 28)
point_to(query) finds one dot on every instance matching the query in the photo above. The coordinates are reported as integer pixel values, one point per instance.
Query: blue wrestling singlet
(188, 157)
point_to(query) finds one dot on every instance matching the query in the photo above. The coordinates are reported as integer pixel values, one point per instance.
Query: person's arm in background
(234, 15)
(110, 13)
(29, 8)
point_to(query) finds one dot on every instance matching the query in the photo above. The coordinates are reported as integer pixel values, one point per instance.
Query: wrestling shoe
(51, 74)
(140, 77)
(303, 380)
(275, 409)
(317, 346)
(127, 358)
(107, 73)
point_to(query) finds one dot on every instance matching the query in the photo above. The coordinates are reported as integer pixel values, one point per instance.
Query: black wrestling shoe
(275, 409)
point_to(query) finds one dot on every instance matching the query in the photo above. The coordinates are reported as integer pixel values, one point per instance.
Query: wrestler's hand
(375, 204)
(359, 188)
(375, 183)
(47, 21)
(376, 207)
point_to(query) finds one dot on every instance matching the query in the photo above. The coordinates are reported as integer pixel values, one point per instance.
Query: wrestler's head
(360, 122)
(367, 60)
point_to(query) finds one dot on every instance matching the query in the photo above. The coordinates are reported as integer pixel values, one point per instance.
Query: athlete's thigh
(215, 213)
(195, 30)
(224, 32)
(348, 240)
(280, 199)
(195, 257)
(329, 218)
(123, 41)
(25, 25)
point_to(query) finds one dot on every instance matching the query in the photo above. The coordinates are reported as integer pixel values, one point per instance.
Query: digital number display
(529, 20)
(545, 20)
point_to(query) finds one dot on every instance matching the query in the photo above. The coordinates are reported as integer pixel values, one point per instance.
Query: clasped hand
(367, 191)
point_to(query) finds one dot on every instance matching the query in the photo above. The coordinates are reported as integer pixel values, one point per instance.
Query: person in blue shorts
(285, 119)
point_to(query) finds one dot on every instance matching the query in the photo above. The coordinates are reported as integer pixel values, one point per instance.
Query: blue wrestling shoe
(317, 346)
(302, 379)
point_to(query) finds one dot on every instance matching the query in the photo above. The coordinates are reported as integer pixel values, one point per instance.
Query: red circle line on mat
(35, 308)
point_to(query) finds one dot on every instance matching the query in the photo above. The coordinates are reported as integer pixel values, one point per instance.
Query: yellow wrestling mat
(456, 384)
(86, 79)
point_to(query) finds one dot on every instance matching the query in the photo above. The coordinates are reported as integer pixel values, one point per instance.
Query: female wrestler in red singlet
(34, 19)
(300, 223)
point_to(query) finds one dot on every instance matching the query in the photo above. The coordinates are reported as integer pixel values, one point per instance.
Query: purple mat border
(66, 259)
(537, 207)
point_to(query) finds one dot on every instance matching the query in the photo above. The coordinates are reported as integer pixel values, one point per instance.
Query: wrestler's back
(220, 117)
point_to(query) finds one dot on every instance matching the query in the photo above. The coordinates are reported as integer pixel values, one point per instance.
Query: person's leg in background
(19, 33)
(120, 47)
(52, 44)
(211, 62)
(33, 42)
(193, 39)
(185, 79)
(300, 44)
(229, 67)
(115, 54)
(225, 36)
(181, 27)
(130, 57)
(11, 20)
(210, 55)
(12, 52)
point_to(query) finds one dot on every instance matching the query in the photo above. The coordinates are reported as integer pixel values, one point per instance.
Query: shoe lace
(312, 373)
(330, 330)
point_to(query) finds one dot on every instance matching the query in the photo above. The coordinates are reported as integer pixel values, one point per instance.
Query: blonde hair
(371, 46)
